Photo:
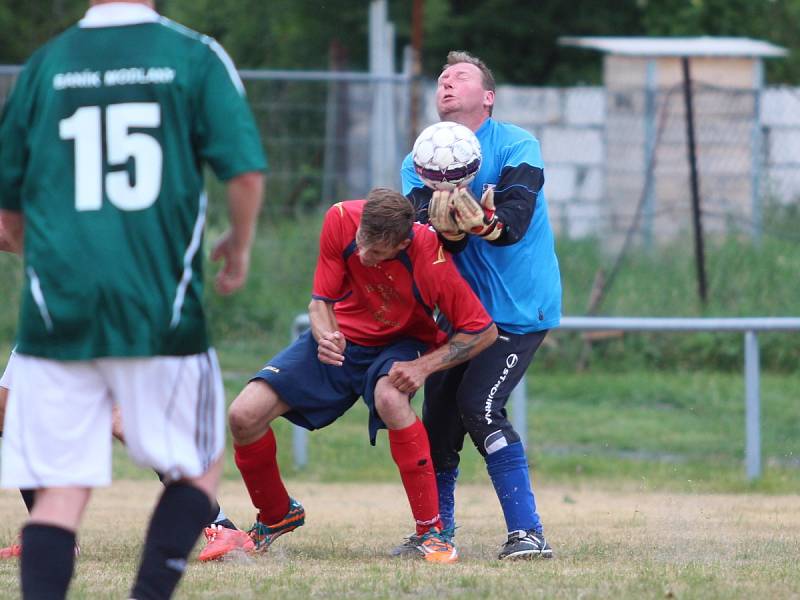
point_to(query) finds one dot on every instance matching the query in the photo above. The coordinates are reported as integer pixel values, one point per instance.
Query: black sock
(28, 496)
(178, 520)
(47, 562)
(212, 520)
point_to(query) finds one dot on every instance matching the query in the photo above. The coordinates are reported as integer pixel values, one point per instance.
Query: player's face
(372, 254)
(460, 92)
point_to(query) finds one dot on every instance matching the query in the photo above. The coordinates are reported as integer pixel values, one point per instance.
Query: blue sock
(508, 469)
(446, 483)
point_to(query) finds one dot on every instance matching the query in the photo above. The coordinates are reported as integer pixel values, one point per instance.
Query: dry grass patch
(623, 544)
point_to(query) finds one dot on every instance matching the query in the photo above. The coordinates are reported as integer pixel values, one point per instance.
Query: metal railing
(752, 369)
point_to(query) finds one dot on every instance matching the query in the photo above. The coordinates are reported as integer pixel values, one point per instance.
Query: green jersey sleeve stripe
(38, 297)
(188, 257)
(227, 62)
(213, 44)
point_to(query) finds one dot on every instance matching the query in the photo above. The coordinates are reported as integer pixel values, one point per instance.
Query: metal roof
(723, 47)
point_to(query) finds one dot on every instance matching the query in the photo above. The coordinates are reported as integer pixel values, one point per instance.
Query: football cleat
(523, 544)
(226, 523)
(15, 550)
(437, 546)
(223, 540)
(12, 551)
(412, 545)
(409, 548)
(263, 535)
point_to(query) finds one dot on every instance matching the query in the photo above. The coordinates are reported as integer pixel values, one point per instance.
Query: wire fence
(615, 159)
(617, 177)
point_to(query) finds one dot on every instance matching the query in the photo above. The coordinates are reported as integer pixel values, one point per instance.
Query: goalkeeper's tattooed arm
(409, 376)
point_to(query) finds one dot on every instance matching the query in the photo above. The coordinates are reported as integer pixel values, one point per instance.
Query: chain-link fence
(614, 158)
(617, 173)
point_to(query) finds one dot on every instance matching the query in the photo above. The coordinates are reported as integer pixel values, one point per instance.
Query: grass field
(638, 462)
(621, 543)
(675, 431)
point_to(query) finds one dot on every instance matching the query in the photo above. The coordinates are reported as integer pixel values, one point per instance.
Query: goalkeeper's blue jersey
(519, 283)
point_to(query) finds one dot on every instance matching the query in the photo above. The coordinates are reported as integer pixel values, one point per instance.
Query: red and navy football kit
(385, 313)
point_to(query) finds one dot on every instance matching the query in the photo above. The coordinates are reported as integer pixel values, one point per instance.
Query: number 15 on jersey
(85, 128)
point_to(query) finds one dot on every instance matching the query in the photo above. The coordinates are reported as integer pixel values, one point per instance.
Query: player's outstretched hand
(330, 348)
(407, 376)
(440, 215)
(476, 218)
(233, 274)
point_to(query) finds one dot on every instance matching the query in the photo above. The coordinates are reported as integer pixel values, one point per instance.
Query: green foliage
(281, 34)
(761, 19)
(256, 323)
(518, 41)
(24, 26)
(492, 28)
(745, 280)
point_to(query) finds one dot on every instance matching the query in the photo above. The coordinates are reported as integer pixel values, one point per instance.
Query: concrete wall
(594, 180)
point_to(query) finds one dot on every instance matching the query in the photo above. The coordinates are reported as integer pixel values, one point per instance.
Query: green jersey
(102, 146)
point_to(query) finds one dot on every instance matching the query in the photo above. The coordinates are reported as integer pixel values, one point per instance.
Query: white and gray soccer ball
(446, 155)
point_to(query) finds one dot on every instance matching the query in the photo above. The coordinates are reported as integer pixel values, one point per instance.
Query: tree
(24, 26)
(517, 38)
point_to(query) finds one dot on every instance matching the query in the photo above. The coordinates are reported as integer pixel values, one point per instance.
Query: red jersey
(396, 298)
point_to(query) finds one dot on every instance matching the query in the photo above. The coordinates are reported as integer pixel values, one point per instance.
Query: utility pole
(695, 186)
(417, 19)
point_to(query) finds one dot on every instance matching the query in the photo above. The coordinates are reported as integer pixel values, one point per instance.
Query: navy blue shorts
(318, 394)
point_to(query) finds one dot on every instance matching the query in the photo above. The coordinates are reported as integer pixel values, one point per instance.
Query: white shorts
(58, 419)
(5, 380)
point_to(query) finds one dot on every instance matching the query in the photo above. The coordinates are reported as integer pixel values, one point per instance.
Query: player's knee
(241, 420)
(250, 411)
(393, 407)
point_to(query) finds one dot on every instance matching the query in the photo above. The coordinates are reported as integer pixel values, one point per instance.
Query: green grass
(663, 410)
(744, 279)
(677, 431)
(608, 543)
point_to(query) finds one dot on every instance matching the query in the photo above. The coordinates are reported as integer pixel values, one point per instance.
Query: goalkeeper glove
(478, 219)
(440, 215)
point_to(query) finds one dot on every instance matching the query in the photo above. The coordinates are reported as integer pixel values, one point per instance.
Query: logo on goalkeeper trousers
(511, 362)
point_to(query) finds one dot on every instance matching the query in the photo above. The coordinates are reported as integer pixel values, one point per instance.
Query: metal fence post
(299, 434)
(519, 417)
(752, 406)
(750, 327)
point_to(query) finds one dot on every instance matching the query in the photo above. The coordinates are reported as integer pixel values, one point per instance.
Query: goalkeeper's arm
(504, 213)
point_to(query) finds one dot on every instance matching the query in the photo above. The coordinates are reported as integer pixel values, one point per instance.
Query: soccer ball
(446, 155)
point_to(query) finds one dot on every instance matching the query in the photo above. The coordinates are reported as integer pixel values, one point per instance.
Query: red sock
(412, 453)
(258, 465)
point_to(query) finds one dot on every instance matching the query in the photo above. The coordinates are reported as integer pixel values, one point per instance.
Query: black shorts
(318, 394)
(471, 398)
